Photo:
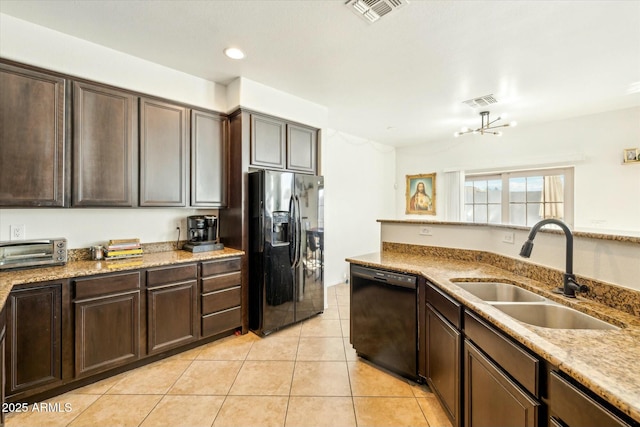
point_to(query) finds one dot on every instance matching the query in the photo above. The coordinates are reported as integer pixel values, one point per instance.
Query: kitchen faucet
(570, 286)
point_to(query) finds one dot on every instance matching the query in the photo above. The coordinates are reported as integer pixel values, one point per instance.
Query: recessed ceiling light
(234, 53)
(634, 88)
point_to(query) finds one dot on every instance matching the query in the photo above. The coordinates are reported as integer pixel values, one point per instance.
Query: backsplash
(620, 298)
(84, 254)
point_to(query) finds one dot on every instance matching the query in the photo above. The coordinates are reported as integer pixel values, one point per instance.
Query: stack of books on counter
(123, 248)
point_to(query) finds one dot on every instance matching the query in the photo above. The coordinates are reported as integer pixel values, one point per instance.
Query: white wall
(42, 47)
(606, 191)
(87, 227)
(359, 184)
(605, 260)
(256, 96)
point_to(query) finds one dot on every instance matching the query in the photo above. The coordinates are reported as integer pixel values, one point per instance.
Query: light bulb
(464, 129)
(499, 133)
(234, 53)
(513, 124)
(456, 134)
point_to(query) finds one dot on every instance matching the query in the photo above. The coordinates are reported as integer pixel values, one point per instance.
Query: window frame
(568, 190)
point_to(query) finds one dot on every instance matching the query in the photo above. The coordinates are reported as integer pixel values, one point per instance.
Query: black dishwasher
(384, 317)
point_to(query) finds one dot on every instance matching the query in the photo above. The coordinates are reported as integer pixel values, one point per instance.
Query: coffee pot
(202, 228)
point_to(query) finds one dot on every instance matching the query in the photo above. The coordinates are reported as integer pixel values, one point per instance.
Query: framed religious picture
(631, 155)
(421, 194)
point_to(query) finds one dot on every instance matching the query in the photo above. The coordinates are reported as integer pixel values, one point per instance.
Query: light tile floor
(305, 375)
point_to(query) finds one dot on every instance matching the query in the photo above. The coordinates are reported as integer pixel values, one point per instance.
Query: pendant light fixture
(486, 126)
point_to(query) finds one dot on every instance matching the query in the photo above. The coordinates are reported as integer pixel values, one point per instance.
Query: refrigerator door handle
(298, 232)
(292, 232)
(261, 227)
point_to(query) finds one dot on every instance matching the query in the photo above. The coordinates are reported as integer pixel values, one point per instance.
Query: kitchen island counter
(604, 361)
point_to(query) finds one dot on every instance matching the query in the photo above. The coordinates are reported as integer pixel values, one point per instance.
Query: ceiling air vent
(372, 10)
(482, 101)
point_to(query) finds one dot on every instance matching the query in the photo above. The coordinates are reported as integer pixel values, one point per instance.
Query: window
(519, 198)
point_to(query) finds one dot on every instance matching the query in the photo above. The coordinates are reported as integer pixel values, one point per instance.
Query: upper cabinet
(301, 148)
(163, 153)
(277, 144)
(105, 146)
(208, 159)
(268, 142)
(32, 138)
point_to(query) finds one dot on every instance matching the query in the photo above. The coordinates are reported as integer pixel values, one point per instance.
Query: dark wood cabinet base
(61, 335)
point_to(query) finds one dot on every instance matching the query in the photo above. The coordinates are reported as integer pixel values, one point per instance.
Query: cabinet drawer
(221, 300)
(160, 276)
(222, 281)
(522, 366)
(222, 321)
(575, 408)
(450, 309)
(221, 266)
(103, 285)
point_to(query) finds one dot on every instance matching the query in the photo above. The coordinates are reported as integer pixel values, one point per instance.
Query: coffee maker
(202, 233)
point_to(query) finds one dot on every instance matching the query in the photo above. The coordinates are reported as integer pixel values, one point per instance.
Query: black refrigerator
(286, 249)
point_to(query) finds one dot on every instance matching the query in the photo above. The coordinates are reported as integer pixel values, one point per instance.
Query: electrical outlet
(508, 237)
(16, 232)
(425, 231)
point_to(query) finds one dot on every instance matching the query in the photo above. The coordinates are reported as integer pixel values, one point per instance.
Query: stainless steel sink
(550, 315)
(497, 291)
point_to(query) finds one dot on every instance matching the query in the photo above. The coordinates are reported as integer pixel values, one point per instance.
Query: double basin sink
(531, 308)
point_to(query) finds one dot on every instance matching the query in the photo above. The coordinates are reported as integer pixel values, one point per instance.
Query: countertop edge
(576, 233)
(9, 279)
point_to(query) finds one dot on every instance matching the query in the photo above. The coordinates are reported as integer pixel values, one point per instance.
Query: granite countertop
(605, 361)
(10, 279)
(621, 236)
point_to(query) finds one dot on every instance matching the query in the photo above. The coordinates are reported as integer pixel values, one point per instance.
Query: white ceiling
(399, 81)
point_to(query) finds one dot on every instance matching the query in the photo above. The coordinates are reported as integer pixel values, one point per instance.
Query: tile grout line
(293, 373)
(346, 362)
(168, 389)
(233, 382)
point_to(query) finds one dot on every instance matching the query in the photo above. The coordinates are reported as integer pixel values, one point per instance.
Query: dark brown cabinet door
(268, 142)
(107, 332)
(163, 153)
(172, 315)
(208, 159)
(570, 406)
(443, 354)
(491, 398)
(3, 382)
(32, 138)
(104, 146)
(301, 148)
(34, 331)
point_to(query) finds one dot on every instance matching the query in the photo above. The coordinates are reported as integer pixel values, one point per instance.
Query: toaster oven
(33, 253)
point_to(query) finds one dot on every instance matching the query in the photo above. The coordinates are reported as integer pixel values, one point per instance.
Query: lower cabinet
(3, 332)
(172, 307)
(63, 332)
(492, 399)
(572, 407)
(34, 333)
(484, 378)
(443, 352)
(501, 379)
(107, 322)
(444, 347)
(221, 296)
